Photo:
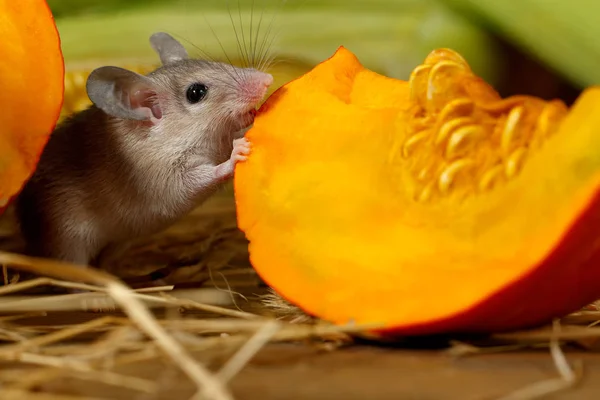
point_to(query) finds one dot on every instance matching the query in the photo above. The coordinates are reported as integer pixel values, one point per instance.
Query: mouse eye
(196, 92)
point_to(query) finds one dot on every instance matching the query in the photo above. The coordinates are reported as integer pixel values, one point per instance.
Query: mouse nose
(264, 78)
(256, 85)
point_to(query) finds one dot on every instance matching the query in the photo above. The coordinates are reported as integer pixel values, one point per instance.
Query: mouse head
(184, 94)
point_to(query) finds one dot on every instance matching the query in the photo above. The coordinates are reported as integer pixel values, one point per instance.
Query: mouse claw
(241, 148)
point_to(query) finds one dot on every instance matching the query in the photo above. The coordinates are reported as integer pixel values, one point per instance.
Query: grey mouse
(149, 150)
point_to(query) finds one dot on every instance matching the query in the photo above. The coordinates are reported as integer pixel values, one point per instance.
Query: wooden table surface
(361, 372)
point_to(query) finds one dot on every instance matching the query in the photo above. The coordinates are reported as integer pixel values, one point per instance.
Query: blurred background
(547, 48)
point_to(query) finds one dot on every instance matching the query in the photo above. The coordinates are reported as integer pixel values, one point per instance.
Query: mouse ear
(123, 94)
(169, 50)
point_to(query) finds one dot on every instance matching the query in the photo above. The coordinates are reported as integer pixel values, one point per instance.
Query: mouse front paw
(241, 149)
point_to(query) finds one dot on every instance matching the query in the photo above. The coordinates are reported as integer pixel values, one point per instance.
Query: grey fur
(168, 49)
(108, 175)
(111, 90)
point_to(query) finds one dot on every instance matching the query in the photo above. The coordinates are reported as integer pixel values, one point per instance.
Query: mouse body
(149, 150)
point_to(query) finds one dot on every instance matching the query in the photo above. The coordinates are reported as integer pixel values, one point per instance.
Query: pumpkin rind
(31, 76)
(426, 206)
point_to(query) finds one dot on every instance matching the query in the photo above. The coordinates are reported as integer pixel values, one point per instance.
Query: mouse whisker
(262, 13)
(224, 51)
(272, 61)
(252, 55)
(237, 36)
(245, 47)
(226, 83)
(205, 54)
(238, 72)
(232, 72)
(267, 63)
(267, 41)
(266, 53)
(266, 59)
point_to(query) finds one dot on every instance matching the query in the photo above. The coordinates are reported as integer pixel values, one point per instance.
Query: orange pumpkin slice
(32, 79)
(427, 206)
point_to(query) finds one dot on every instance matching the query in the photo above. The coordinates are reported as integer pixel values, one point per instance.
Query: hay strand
(210, 386)
(247, 351)
(207, 384)
(81, 369)
(17, 394)
(212, 324)
(567, 376)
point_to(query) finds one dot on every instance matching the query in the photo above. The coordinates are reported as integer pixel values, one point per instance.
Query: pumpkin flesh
(31, 76)
(422, 206)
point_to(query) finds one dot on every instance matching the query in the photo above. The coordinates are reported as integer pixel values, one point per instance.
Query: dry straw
(243, 333)
(200, 331)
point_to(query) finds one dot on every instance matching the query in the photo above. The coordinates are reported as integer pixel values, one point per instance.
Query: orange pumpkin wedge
(423, 207)
(32, 81)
